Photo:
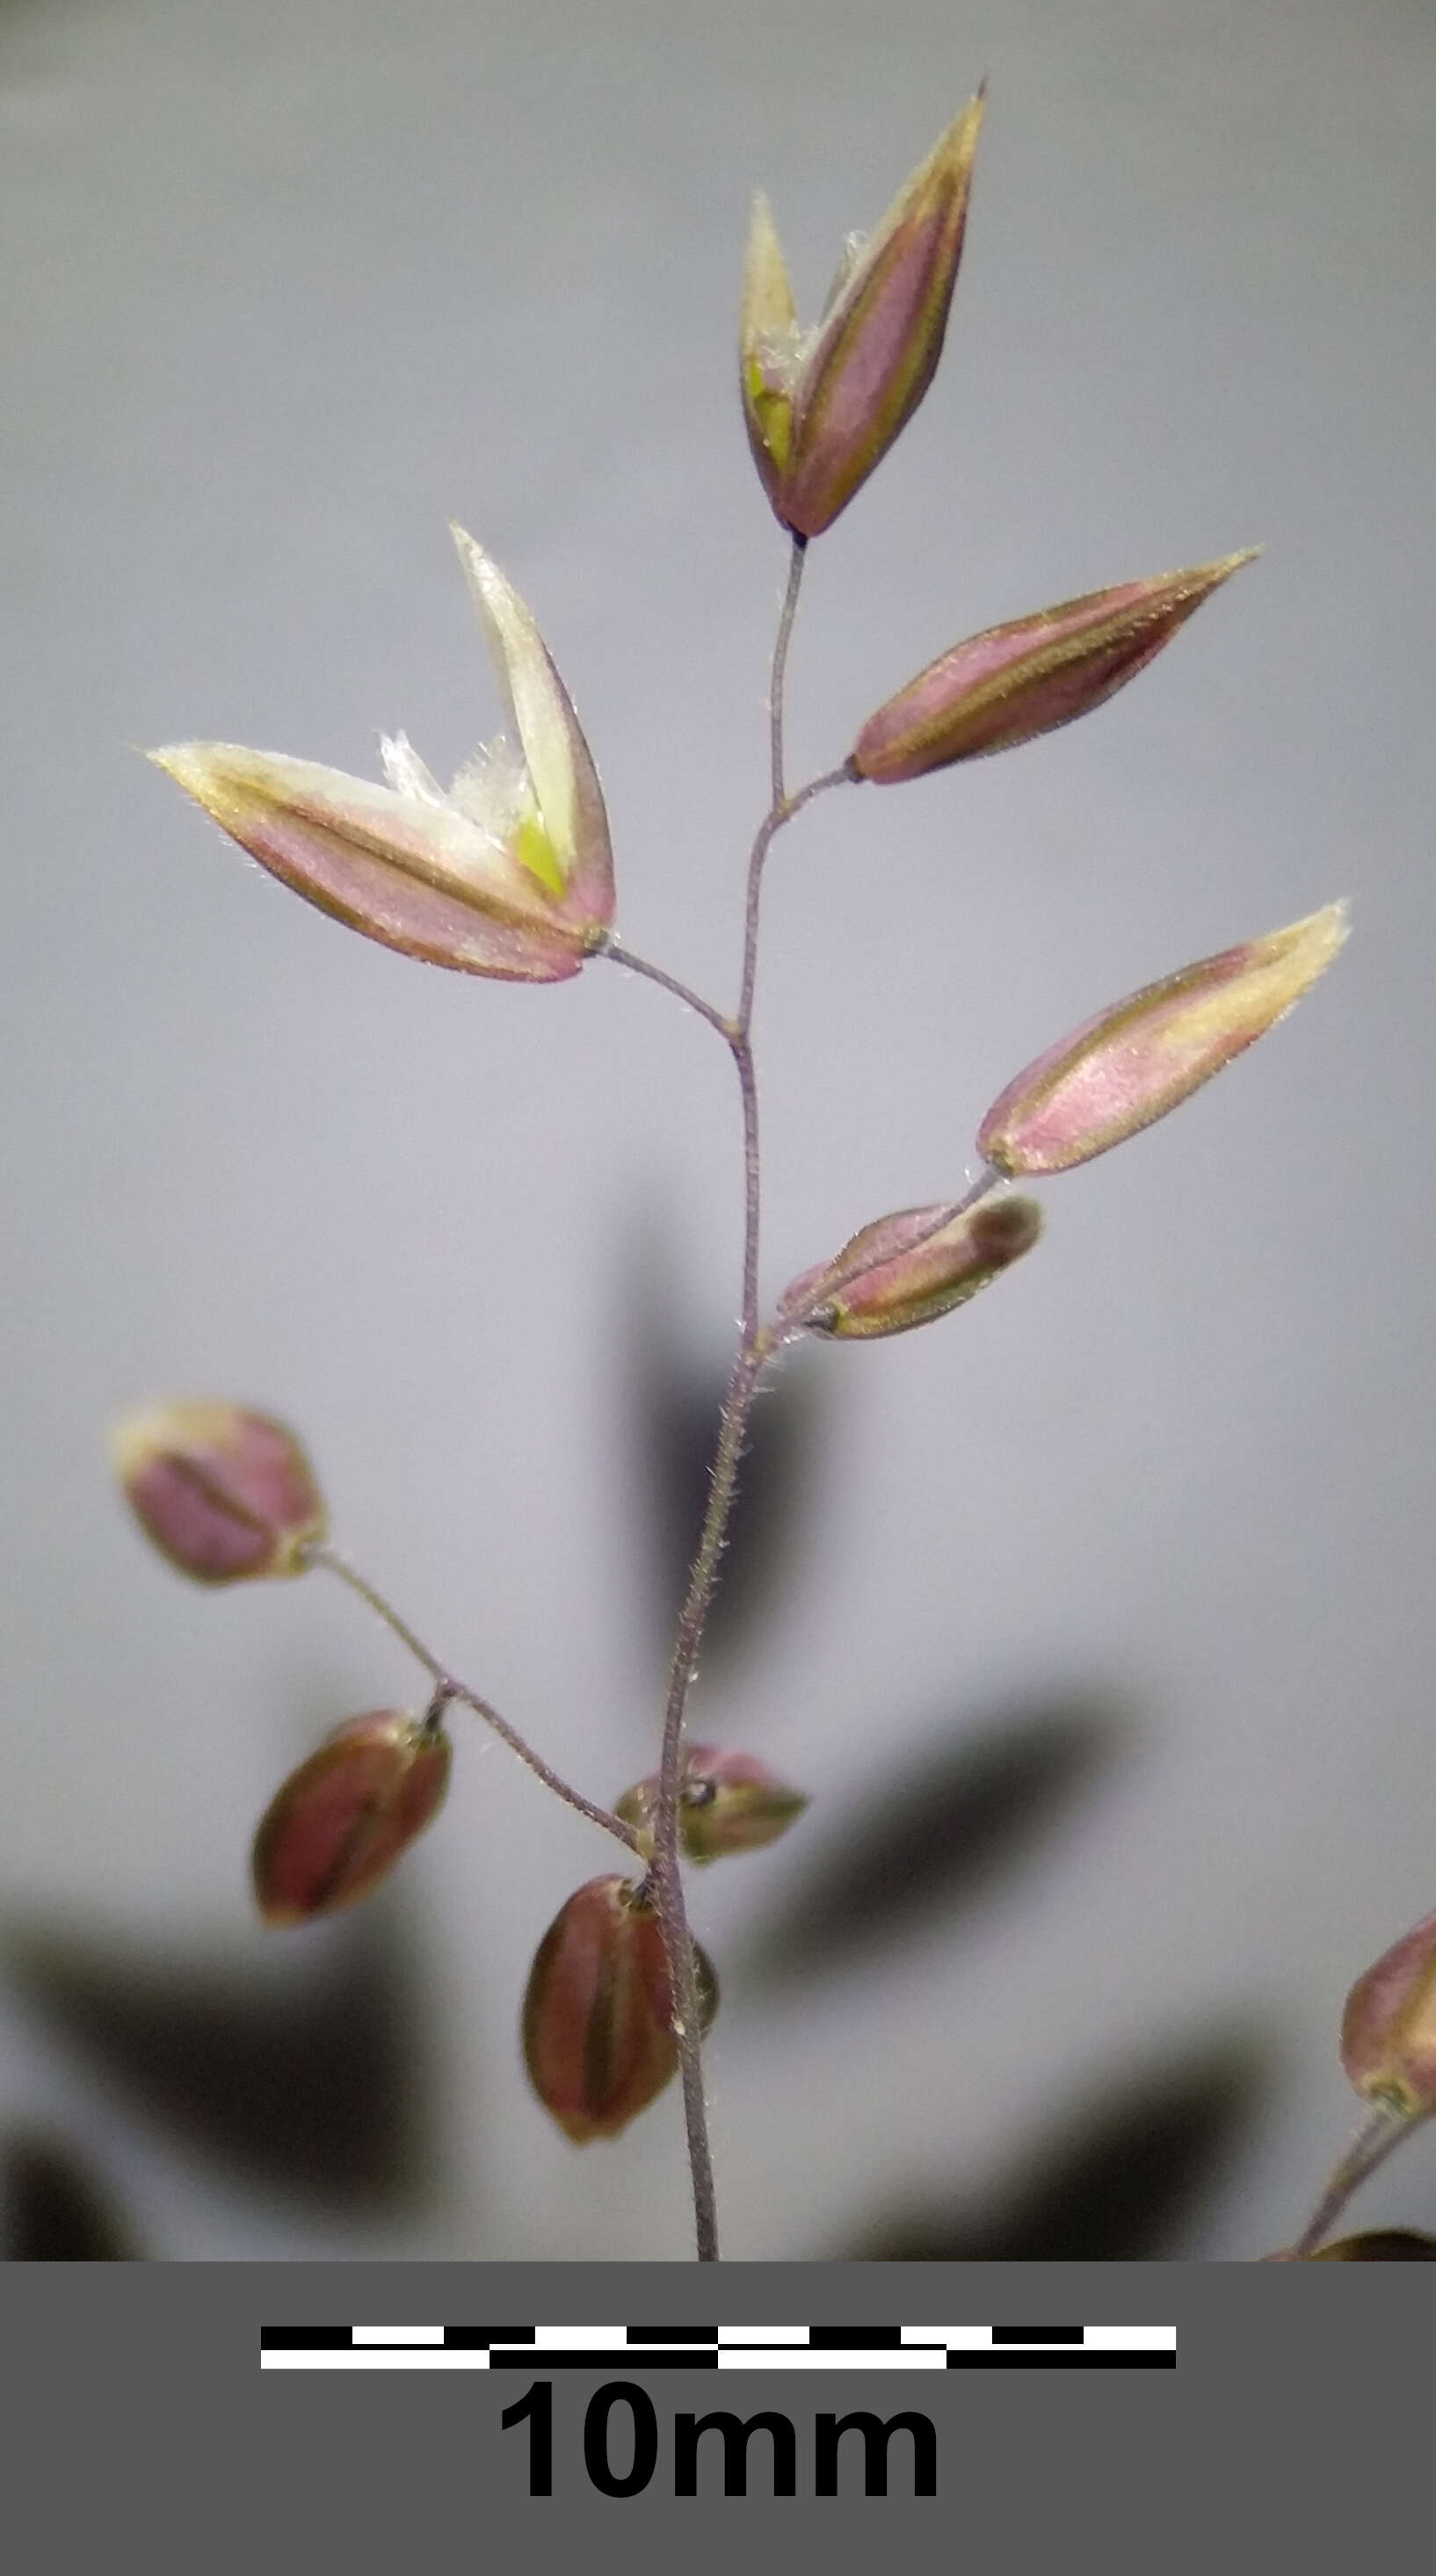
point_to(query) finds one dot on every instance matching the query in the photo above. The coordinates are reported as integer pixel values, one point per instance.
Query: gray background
(286, 288)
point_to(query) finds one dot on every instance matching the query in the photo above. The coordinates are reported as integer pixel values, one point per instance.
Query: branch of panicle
(448, 1688)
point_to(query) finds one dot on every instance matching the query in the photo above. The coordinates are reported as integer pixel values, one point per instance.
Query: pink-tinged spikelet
(727, 1802)
(910, 1268)
(597, 2020)
(509, 873)
(1379, 2245)
(823, 408)
(1142, 1056)
(224, 1492)
(1013, 682)
(1388, 2029)
(342, 1819)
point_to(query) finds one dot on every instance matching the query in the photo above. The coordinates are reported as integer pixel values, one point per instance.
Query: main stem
(753, 1349)
(665, 1874)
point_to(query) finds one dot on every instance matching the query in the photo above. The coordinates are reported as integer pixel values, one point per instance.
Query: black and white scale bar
(646, 2348)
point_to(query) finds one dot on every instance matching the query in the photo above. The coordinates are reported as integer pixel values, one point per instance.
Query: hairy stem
(447, 1687)
(754, 1348)
(1383, 2130)
(665, 1872)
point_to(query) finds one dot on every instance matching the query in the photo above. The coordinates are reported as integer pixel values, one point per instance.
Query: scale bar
(640, 2349)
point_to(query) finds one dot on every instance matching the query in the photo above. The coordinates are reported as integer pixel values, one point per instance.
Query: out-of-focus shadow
(967, 1808)
(311, 2082)
(1117, 2182)
(55, 2209)
(675, 1408)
